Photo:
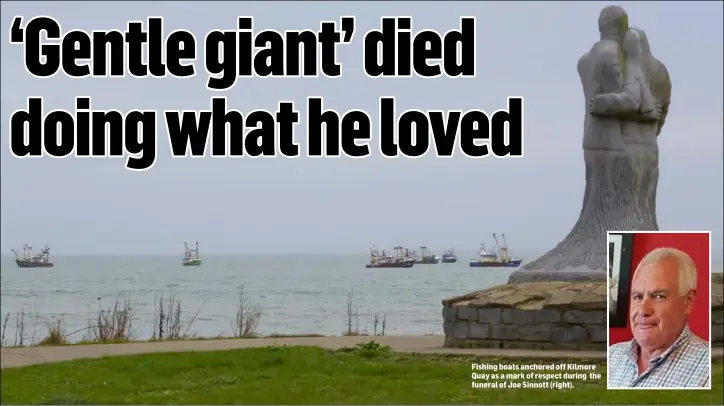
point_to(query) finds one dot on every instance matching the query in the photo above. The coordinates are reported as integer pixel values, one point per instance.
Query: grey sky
(527, 49)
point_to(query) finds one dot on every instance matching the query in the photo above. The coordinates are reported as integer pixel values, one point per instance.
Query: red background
(697, 246)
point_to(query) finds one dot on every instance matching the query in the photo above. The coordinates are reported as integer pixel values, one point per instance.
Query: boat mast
(27, 251)
(503, 249)
(505, 244)
(46, 254)
(502, 252)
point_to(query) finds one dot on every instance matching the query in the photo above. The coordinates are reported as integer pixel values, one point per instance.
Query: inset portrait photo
(659, 310)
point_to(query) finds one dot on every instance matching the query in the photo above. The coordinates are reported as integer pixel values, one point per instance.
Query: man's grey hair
(685, 265)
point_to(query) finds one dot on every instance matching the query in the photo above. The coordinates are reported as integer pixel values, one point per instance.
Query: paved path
(17, 357)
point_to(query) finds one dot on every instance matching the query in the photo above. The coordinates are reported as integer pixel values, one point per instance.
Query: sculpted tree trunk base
(619, 196)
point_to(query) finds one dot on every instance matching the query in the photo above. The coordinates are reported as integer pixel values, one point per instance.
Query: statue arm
(666, 96)
(664, 112)
(625, 105)
(614, 104)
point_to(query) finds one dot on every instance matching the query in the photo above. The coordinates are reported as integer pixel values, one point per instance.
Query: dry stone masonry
(717, 309)
(544, 315)
(533, 315)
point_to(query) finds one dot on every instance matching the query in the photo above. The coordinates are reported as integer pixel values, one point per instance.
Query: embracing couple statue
(627, 93)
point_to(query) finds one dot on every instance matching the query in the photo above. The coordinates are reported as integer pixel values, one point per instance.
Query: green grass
(298, 375)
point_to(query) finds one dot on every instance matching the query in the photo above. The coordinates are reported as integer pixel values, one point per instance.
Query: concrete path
(17, 357)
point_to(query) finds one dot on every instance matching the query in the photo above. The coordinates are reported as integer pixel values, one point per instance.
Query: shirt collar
(634, 348)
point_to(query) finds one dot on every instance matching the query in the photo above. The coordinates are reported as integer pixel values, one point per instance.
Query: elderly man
(664, 353)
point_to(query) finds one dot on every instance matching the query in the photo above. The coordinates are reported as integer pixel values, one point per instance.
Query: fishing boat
(402, 258)
(507, 260)
(489, 259)
(191, 258)
(449, 257)
(426, 257)
(485, 258)
(28, 260)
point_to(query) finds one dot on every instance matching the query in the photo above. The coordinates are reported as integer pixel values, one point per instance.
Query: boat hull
(428, 260)
(495, 264)
(29, 264)
(449, 260)
(192, 262)
(391, 265)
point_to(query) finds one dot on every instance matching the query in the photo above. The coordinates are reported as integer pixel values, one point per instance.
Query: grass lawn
(298, 375)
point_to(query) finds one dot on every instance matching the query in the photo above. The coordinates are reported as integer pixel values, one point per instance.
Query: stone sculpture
(612, 294)
(627, 93)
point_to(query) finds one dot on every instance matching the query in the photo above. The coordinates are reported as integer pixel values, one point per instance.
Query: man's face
(658, 312)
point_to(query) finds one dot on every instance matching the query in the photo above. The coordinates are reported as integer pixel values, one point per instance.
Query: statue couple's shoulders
(602, 49)
(606, 49)
(586, 59)
(662, 80)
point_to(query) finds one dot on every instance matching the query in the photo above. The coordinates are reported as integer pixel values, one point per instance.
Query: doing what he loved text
(391, 51)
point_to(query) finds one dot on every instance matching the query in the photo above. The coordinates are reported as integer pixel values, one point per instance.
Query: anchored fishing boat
(485, 258)
(191, 258)
(449, 257)
(403, 258)
(28, 260)
(489, 259)
(506, 259)
(426, 257)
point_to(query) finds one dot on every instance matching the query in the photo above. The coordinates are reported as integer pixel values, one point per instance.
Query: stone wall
(717, 310)
(530, 316)
(534, 315)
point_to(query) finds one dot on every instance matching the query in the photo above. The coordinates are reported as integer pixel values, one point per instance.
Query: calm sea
(298, 294)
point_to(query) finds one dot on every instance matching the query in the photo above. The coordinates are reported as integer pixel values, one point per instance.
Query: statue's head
(636, 45)
(613, 23)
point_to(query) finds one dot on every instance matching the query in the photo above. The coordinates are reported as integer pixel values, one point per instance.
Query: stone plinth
(534, 272)
(717, 310)
(717, 277)
(532, 315)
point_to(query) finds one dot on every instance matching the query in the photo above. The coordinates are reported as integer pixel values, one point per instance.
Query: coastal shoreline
(25, 356)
